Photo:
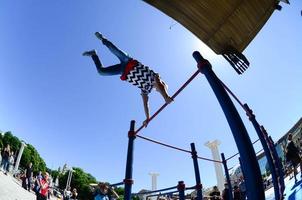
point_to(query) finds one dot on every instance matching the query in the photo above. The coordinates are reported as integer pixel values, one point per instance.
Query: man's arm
(146, 108)
(114, 193)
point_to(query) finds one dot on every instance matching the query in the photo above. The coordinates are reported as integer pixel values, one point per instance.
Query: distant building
(296, 131)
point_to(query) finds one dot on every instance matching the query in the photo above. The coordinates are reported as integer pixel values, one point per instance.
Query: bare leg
(295, 172)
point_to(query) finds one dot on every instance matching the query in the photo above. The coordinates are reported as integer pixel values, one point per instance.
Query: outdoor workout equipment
(250, 166)
(227, 175)
(219, 30)
(132, 134)
(269, 149)
(236, 154)
(276, 161)
(170, 191)
(173, 97)
(227, 27)
(128, 176)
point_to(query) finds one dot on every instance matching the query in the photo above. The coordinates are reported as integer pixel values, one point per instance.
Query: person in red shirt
(44, 186)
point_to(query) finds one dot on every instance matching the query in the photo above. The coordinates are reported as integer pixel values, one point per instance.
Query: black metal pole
(227, 175)
(129, 165)
(266, 149)
(196, 170)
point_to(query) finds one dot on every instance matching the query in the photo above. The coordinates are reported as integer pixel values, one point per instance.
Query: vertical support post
(19, 156)
(213, 145)
(227, 175)
(241, 164)
(279, 166)
(128, 175)
(196, 170)
(266, 149)
(181, 189)
(70, 171)
(278, 162)
(251, 168)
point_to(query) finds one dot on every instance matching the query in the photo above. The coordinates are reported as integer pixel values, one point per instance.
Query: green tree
(1, 138)
(80, 180)
(30, 154)
(135, 198)
(120, 192)
(13, 141)
(54, 173)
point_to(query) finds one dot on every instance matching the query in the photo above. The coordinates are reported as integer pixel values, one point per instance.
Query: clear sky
(53, 98)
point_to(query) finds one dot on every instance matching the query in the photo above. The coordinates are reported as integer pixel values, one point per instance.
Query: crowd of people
(42, 186)
(41, 183)
(70, 194)
(239, 191)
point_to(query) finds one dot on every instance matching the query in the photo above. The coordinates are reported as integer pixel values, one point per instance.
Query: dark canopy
(221, 24)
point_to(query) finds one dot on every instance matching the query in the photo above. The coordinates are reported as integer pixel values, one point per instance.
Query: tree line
(80, 179)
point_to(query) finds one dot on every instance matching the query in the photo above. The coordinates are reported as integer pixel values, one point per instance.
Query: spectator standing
(29, 175)
(67, 193)
(101, 192)
(104, 192)
(23, 179)
(11, 162)
(215, 194)
(242, 188)
(74, 194)
(292, 155)
(225, 192)
(50, 191)
(37, 183)
(44, 187)
(237, 193)
(5, 159)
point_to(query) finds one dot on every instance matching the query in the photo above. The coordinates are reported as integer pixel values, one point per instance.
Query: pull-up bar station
(221, 34)
(248, 160)
(250, 165)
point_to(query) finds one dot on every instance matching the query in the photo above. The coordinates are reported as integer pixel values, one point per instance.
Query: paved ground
(10, 189)
(293, 191)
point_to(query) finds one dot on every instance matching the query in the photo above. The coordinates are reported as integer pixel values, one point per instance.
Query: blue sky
(53, 98)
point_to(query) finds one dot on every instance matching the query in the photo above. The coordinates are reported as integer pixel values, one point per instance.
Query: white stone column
(69, 177)
(154, 180)
(218, 166)
(19, 156)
